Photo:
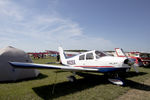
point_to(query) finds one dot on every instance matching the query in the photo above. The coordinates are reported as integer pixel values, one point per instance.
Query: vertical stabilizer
(62, 55)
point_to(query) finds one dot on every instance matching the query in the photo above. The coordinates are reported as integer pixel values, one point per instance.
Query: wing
(46, 66)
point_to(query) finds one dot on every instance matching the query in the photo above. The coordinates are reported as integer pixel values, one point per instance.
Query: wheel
(71, 78)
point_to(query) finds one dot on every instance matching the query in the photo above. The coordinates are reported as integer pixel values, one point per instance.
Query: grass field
(53, 85)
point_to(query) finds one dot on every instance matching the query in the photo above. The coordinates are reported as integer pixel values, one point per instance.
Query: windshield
(99, 54)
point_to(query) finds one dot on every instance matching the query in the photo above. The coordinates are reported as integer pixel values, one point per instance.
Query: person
(58, 57)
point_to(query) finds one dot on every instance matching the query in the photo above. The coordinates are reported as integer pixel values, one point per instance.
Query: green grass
(53, 84)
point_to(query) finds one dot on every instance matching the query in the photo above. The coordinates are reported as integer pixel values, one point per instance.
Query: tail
(62, 55)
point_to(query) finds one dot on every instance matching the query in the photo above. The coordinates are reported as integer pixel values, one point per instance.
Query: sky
(38, 25)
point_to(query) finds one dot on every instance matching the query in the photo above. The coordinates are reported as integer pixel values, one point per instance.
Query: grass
(53, 85)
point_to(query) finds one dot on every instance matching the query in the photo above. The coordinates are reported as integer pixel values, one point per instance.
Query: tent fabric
(7, 72)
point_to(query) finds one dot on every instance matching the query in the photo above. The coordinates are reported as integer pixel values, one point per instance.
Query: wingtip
(10, 62)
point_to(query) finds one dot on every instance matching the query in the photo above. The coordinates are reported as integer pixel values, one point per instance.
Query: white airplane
(91, 61)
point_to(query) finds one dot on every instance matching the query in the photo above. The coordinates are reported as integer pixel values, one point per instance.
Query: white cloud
(87, 42)
(29, 31)
(9, 9)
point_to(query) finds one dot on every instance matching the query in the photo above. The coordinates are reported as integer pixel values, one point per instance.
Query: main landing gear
(72, 78)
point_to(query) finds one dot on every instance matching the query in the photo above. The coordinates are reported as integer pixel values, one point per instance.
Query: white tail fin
(62, 55)
(120, 52)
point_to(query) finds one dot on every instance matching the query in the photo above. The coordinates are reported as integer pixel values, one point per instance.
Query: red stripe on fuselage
(96, 66)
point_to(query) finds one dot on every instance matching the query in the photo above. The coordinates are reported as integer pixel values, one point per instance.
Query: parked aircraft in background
(91, 61)
(143, 59)
(138, 61)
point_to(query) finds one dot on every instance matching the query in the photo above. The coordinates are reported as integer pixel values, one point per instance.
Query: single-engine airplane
(91, 61)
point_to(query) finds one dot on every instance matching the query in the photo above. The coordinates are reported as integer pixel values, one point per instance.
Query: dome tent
(7, 72)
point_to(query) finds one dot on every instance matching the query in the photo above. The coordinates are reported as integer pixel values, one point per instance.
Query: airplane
(90, 61)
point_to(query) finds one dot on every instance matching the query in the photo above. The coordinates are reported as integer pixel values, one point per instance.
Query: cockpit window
(89, 56)
(81, 57)
(99, 54)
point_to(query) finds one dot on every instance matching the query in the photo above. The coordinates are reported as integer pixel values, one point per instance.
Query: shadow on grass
(89, 81)
(131, 74)
(60, 71)
(66, 88)
(133, 84)
(146, 66)
(136, 85)
(40, 76)
(128, 83)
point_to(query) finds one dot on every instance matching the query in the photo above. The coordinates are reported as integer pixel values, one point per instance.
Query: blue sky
(38, 25)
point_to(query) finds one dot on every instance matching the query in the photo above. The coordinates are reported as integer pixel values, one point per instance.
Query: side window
(81, 57)
(89, 56)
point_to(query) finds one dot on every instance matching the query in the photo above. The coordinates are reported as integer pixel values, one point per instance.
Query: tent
(7, 72)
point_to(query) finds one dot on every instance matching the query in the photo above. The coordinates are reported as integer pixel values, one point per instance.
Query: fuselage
(98, 60)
